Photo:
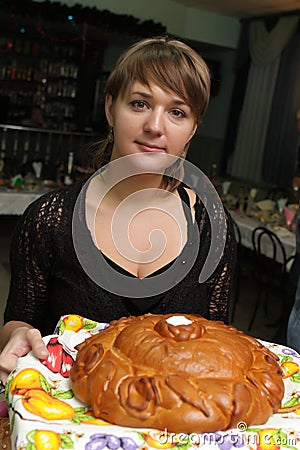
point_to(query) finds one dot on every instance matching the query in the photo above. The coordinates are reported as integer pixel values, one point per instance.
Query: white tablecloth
(15, 202)
(248, 224)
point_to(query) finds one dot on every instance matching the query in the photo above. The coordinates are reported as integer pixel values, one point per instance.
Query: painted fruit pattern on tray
(44, 414)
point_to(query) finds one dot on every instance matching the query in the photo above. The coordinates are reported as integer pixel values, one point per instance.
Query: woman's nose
(155, 122)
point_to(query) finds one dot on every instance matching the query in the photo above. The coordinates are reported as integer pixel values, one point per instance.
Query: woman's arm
(30, 261)
(221, 282)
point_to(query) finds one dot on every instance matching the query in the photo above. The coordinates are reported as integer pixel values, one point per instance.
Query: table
(15, 202)
(248, 224)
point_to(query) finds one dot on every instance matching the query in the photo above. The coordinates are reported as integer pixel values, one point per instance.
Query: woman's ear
(109, 109)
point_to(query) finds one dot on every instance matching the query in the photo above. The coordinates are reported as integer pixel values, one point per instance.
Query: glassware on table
(289, 215)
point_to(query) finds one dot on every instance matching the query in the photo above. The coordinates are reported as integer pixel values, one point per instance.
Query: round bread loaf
(177, 372)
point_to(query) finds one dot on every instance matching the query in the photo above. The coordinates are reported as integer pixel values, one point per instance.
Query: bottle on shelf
(69, 175)
(40, 72)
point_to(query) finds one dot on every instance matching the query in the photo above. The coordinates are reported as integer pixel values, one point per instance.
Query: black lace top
(47, 280)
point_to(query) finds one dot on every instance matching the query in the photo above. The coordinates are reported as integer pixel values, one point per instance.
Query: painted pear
(47, 440)
(41, 404)
(27, 379)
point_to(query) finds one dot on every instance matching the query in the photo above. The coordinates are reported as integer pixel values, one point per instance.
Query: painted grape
(101, 441)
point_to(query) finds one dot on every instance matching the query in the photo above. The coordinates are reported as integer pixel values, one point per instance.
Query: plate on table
(43, 410)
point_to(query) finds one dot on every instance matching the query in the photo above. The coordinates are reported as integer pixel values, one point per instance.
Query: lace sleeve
(220, 283)
(31, 256)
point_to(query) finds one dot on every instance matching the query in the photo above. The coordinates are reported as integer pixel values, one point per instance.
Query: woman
(155, 99)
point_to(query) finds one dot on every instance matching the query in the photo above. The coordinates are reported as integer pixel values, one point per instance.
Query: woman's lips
(150, 147)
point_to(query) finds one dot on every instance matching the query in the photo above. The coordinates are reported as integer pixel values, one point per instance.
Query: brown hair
(167, 62)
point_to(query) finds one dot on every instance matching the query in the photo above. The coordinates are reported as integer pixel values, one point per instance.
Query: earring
(110, 136)
(183, 154)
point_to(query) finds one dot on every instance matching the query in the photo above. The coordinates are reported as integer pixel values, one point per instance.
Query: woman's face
(147, 119)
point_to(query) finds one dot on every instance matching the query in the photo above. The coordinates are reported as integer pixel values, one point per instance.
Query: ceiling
(244, 8)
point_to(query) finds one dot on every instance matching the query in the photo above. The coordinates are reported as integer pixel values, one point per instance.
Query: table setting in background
(248, 224)
(278, 215)
(14, 202)
(19, 191)
(45, 414)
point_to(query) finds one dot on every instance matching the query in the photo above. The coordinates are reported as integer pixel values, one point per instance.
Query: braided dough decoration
(180, 373)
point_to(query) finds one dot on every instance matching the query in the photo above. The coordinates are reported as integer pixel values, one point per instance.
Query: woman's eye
(138, 104)
(178, 113)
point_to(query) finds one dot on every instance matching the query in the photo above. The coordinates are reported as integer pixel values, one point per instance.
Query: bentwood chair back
(261, 235)
(269, 271)
(237, 233)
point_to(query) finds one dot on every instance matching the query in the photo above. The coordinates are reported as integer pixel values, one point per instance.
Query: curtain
(265, 46)
(282, 141)
(265, 50)
(249, 146)
(241, 71)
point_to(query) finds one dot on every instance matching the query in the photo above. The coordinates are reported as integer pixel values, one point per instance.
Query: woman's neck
(118, 186)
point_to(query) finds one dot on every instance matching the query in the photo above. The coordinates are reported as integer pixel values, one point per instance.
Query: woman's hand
(22, 340)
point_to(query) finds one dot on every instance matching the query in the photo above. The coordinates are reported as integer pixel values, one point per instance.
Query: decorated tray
(44, 414)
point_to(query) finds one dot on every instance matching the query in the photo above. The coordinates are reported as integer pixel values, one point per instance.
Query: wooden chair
(269, 271)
